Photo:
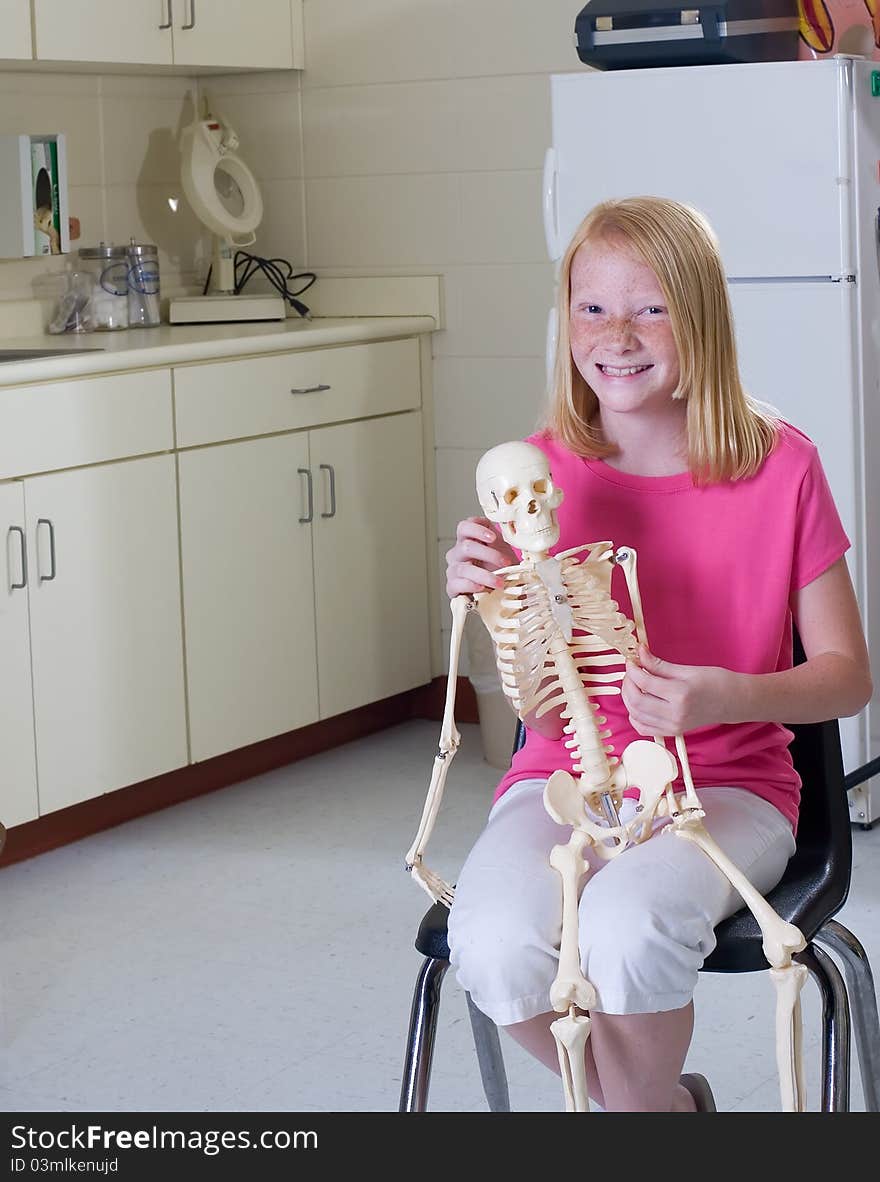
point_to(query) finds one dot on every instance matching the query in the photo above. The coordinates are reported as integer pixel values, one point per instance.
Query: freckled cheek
(582, 340)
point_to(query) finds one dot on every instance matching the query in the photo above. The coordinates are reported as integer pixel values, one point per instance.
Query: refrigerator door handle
(550, 210)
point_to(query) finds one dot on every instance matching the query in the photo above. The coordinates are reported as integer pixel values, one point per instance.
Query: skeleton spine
(588, 750)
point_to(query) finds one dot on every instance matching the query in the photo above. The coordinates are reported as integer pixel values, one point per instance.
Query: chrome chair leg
(835, 1028)
(488, 1045)
(863, 1003)
(420, 1039)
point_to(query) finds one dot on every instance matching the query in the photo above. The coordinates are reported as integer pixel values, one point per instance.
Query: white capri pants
(647, 916)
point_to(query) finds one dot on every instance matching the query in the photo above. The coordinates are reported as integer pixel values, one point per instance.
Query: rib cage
(528, 639)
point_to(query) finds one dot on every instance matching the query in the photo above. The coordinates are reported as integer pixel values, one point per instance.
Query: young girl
(657, 446)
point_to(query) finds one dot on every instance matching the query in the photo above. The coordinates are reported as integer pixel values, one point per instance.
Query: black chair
(812, 890)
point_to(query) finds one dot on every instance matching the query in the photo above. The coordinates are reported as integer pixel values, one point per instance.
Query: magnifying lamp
(225, 196)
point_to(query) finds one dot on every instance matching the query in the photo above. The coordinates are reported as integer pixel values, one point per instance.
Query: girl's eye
(655, 310)
(590, 308)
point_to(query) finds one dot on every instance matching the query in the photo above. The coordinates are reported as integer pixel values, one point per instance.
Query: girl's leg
(536, 1037)
(505, 921)
(647, 922)
(640, 1057)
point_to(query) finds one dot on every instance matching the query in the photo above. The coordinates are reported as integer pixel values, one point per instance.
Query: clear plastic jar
(109, 303)
(143, 285)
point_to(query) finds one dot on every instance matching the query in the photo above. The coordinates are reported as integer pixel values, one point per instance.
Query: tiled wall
(425, 124)
(122, 166)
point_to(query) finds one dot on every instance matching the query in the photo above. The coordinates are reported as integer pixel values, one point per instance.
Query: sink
(35, 354)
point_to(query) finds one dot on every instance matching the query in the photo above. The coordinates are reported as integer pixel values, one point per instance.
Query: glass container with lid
(143, 285)
(109, 303)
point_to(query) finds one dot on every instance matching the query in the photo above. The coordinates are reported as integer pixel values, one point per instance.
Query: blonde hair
(729, 433)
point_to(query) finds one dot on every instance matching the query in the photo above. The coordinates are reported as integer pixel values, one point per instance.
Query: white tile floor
(251, 950)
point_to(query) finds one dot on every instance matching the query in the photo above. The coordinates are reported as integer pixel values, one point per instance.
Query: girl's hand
(667, 699)
(478, 551)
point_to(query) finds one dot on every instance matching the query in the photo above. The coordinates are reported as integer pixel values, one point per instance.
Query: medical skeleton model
(560, 642)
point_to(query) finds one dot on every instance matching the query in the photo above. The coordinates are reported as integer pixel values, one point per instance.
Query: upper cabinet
(190, 35)
(15, 21)
(230, 33)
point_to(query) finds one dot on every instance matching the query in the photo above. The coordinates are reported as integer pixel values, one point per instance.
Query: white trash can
(497, 719)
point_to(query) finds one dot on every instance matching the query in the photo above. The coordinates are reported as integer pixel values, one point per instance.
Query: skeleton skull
(516, 491)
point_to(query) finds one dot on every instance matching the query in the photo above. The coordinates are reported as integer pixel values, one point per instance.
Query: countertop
(175, 344)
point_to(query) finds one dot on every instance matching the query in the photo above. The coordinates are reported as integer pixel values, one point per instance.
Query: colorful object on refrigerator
(839, 26)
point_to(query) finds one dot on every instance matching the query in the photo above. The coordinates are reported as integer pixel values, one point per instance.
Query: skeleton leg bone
(571, 1034)
(570, 988)
(780, 941)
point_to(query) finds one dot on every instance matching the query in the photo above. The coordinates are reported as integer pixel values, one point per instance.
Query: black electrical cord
(279, 273)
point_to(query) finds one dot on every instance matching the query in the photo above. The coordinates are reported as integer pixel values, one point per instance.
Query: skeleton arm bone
(435, 886)
(626, 558)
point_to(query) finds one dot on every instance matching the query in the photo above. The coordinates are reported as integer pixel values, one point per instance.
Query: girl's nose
(620, 333)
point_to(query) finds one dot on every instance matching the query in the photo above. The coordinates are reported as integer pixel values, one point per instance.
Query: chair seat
(807, 897)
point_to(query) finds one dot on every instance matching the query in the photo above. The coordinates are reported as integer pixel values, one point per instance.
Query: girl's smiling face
(621, 333)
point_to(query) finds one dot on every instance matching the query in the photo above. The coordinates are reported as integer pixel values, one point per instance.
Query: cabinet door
(371, 595)
(229, 33)
(15, 21)
(104, 31)
(106, 637)
(18, 775)
(247, 591)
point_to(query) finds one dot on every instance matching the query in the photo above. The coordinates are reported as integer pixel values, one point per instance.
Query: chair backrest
(824, 838)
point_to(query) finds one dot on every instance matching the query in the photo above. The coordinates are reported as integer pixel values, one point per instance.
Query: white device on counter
(225, 196)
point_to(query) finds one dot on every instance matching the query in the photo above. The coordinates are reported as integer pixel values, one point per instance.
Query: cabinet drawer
(70, 423)
(288, 391)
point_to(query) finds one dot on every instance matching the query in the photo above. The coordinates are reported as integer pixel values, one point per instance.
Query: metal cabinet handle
(307, 472)
(47, 578)
(168, 23)
(329, 468)
(16, 529)
(308, 389)
(192, 16)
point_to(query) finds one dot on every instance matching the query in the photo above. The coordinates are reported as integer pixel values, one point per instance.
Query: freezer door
(796, 346)
(762, 149)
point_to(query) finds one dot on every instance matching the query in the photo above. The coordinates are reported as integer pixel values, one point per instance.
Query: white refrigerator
(784, 159)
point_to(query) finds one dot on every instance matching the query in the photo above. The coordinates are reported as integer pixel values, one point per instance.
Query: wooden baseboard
(113, 808)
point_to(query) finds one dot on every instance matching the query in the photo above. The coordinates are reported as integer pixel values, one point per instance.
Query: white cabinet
(260, 570)
(105, 627)
(15, 23)
(18, 772)
(247, 591)
(215, 34)
(230, 33)
(304, 555)
(123, 31)
(371, 599)
(92, 649)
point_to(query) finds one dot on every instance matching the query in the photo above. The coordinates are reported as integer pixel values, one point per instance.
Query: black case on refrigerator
(629, 34)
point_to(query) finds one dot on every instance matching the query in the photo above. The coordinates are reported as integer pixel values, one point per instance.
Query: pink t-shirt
(717, 566)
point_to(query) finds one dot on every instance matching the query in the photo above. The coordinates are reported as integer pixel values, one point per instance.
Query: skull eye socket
(510, 496)
(539, 487)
